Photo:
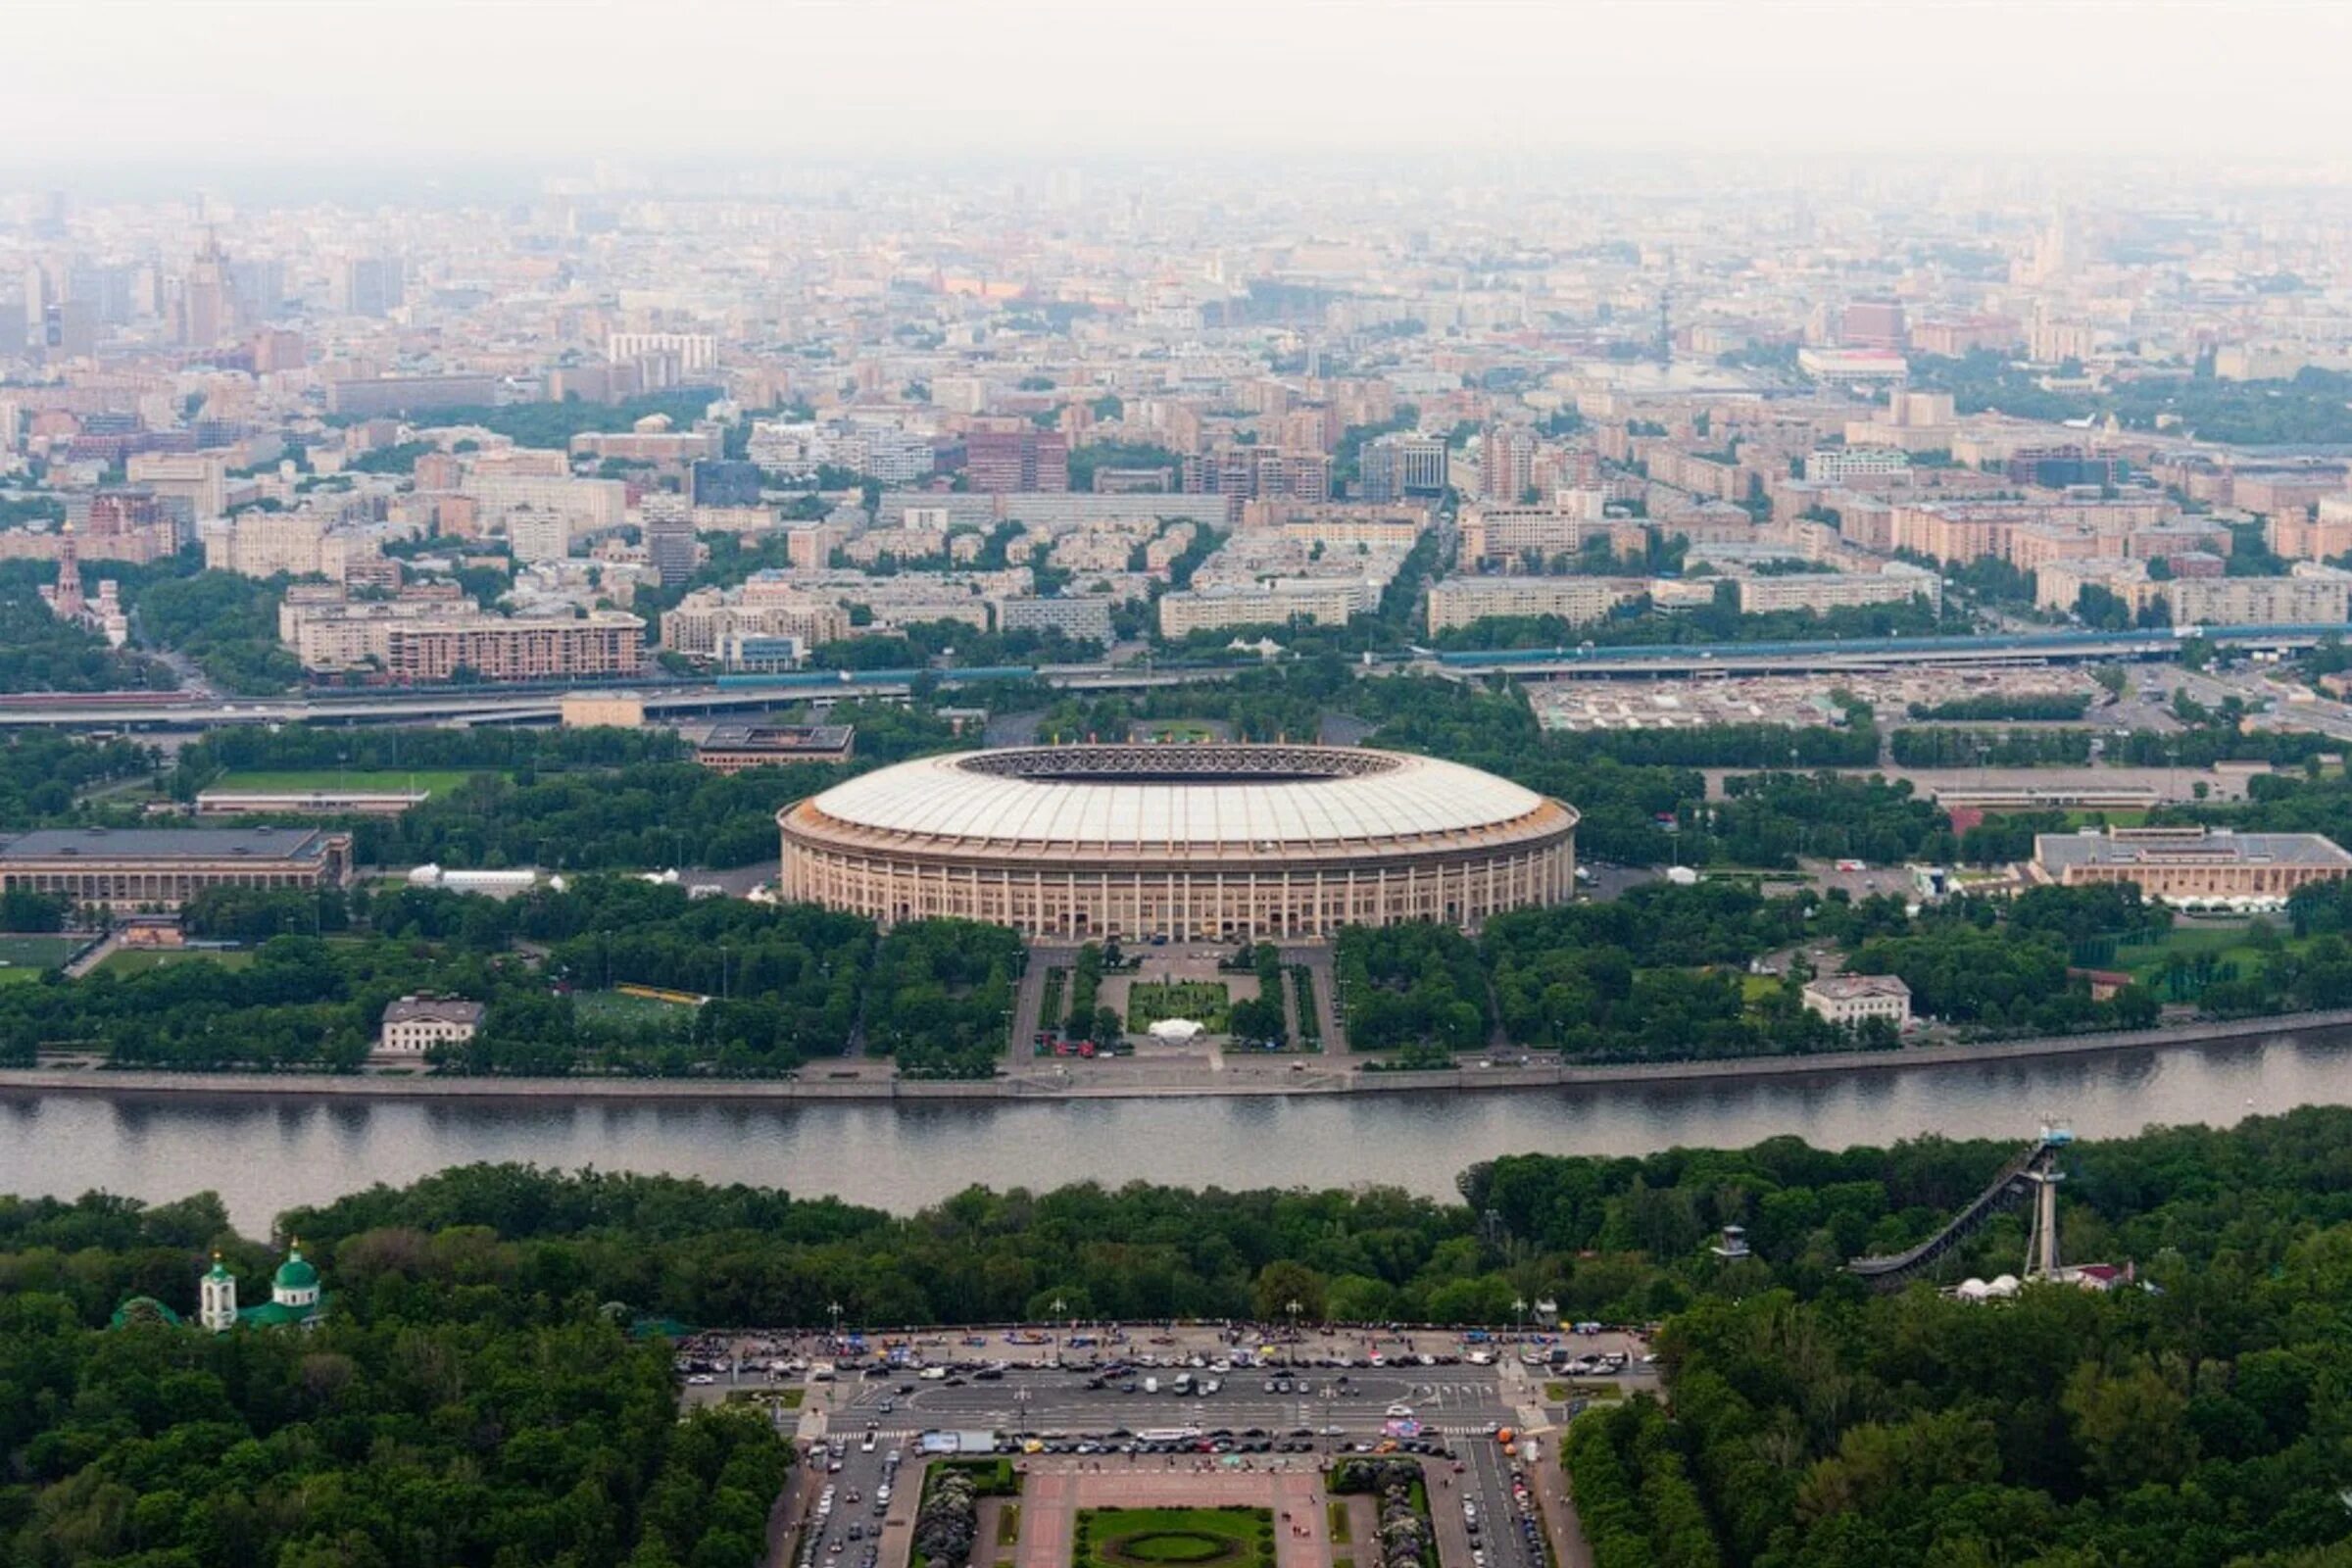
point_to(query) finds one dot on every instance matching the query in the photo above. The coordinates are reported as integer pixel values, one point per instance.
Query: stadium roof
(1250, 798)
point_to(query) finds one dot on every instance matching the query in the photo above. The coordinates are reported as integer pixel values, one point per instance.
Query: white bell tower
(216, 1298)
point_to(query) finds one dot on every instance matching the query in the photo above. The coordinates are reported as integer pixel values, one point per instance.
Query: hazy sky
(299, 82)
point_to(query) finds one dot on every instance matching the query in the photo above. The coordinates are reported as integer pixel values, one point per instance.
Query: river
(264, 1155)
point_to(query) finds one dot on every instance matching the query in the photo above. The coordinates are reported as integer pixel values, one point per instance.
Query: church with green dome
(296, 1299)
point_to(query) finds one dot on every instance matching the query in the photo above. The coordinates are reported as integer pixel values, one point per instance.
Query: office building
(369, 286)
(1396, 466)
(696, 352)
(669, 543)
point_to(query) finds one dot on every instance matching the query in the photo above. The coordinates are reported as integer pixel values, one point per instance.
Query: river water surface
(265, 1155)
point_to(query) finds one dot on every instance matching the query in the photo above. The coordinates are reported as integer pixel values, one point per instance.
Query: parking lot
(1475, 1409)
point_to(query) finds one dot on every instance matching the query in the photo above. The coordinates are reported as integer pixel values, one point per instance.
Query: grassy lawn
(1335, 1511)
(1173, 1537)
(1051, 1003)
(1008, 1523)
(617, 1010)
(2076, 819)
(24, 958)
(2224, 944)
(1176, 729)
(138, 960)
(433, 781)
(1753, 988)
(1204, 1002)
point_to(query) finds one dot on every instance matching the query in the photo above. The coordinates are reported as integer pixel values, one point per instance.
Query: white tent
(1176, 1031)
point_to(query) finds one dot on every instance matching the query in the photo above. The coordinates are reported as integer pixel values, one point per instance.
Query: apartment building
(2298, 535)
(2319, 599)
(605, 643)
(1257, 473)
(1085, 617)
(2058, 584)
(1276, 603)
(1510, 534)
(293, 544)
(706, 621)
(1458, 602)
(593, 504)
(1819, 592)
(996, 461)
(1839, 465)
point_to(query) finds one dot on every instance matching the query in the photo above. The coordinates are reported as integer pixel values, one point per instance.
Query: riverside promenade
(1145, 1079)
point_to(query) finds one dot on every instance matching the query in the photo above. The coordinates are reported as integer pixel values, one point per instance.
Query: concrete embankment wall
(1268, 1080)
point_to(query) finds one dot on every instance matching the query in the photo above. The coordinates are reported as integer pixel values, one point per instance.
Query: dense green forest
(1658, 973)
(1640, 625)
(576, 799)
(2193, 1416)
(226, 624)
(785, 983)
(469, 1380)
(438, 1417)
(2309, 408)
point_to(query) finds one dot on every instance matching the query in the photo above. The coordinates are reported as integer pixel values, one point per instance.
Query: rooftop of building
(433, 1010)
(780, 737)
(2128, 846)
(167, 844)
(1851, 986)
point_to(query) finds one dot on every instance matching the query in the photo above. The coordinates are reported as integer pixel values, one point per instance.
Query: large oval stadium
(1226, 842)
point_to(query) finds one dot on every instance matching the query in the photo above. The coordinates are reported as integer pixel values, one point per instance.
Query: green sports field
(26, 957)
(433, 781)
(138, 960)
(617, 1010)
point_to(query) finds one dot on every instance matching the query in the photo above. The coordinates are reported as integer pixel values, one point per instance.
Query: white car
(1400, 1413)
